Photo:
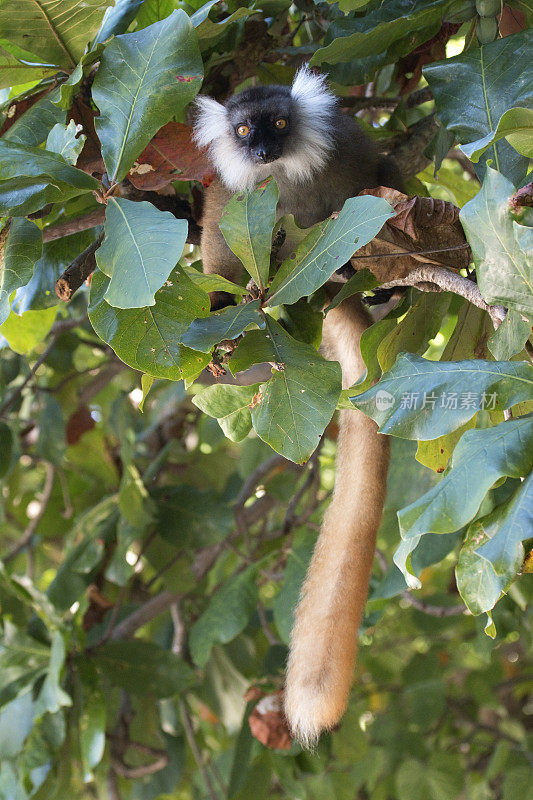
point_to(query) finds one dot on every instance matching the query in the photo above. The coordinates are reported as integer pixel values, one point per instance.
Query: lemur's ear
(211, 121)
(312, 93)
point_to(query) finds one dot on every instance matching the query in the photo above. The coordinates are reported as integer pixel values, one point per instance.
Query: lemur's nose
(261, 153)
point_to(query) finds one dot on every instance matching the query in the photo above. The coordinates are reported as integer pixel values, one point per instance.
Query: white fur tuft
(211, 121)
(304, 157)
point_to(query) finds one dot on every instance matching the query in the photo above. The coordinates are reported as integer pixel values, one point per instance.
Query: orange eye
(280, 124)
(243, 130)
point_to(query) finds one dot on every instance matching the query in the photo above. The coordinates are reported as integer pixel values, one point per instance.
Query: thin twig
(434, 611)
(146, 613)
(78, 271)
(26, 538)
(189, 733)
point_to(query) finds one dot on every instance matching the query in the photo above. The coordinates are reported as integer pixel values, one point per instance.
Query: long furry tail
(324, 637)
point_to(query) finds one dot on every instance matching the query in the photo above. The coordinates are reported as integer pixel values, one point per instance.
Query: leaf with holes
(506, 449)
(145, 78)
(492, 553)
(502, 249)
(142, 246)
(327, 247)
(247, 223)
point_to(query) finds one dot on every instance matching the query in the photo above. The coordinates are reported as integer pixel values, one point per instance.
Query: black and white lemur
(319, 157)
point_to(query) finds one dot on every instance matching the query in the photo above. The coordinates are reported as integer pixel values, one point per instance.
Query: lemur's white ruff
(305, 151)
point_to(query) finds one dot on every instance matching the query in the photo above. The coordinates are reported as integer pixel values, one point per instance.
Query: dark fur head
(269, 130)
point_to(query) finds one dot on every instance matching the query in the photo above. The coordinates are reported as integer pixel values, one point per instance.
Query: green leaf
(505, 550)
(148, 339)
(506, 449)
(23, 248)
(492, 553)
(225, 324)
(247, 222)
(147, 382)
(142, 245)
(413, 333)
(516, 125)
(24, 333)
(511, 336)
(56, 31)
(293, 408)
(213, 282)
(373, 33)
(188, 517)
(287, 598)
(92, 722)
(362, 281)
(502, 249)
(52, 697)
(7, 442)
(62, 140)
(225, 617)
(328, 247)
(473, 90)
(210, 32)
(143, 668)
(420, 399)
(13, 72)
(31, 177)
(32, 127)
(118, 18)
(230, 405)
(69, 88)
(145, 78)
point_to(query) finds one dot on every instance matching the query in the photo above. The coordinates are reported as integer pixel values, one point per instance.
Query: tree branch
(430, 278)
(146, 613)
(434, 611)
(27, 536)
(189, 733)
(78, 271)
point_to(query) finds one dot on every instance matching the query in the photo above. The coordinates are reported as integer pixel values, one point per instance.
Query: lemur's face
(262, 121)
(284, 131)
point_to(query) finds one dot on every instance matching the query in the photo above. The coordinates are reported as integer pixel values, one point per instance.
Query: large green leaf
(148, 339)
(144, 79)
(502, 249)
(373, 33)
(13, 72)
(473, 90)
(51, 696)
(56, 31)
(247, 223)
(226, 616)
(225, 324)
(479, 460)
(32, 127)
(493, 553)
(118, 18)
(230, 405)
(31, 177)
(421, 399)
(62, 140)
(292, 409)
(22, 249)
(327, 247)
(510, 337)
(413, 333)
(516, 125)
(142, 246)
(144, 668)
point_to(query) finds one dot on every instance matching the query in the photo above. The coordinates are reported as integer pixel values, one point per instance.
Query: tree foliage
(155, 530)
